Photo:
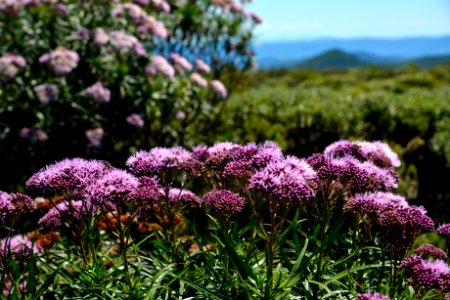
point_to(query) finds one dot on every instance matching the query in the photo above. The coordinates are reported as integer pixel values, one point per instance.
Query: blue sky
(311, 19)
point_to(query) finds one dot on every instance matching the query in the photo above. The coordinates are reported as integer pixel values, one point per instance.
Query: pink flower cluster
(144, 22)
(14, 204)
(223, 202)
(18, 247)
(360, 166)
(46, 93)
(10, 65)
(61, 60)
(161, 160)
(124, 41)
(135, 120)
(99, 92)
(400, 222)
(430, 274)
(160, 65)
(430, 250)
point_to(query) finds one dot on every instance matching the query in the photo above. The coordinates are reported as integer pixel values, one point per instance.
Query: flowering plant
(226, 221)
(106, 77)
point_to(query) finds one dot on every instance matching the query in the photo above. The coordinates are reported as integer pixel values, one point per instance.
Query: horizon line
(314, 39)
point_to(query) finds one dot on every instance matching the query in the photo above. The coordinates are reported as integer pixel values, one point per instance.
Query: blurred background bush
(100, 79)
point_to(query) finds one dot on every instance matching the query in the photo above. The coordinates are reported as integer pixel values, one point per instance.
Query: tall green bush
(101, 78)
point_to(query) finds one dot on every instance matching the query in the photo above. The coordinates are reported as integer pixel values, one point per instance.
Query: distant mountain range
(336, 53)
(337, 59)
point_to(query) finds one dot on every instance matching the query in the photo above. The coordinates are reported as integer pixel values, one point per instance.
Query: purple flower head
(239, 169)
(99, 92)
(430, 250)
(10, 65)
(444, 230)
(241, 163)
(403, 224)
(46, 93)
(181, 61)
(244, 152)
(300, 166)
(22, 203)
(376, 203)
(198, 80)
(100, 36)
(368, 177)
(66, 212)
(286, 181)
(238, 161)
(135, 120)
(6, 207)
(60, 60)
(267, 152)
(160, 65)
(330, 169)
(379, 153)
(341, 149)
(425, 273)
(223, 202)
(149, 194)
(215, 157)
(371, 296)
(148, 189)
(95, 137)
(219, 88)
(202, 66)
(68, 176)
(117, 185)
(183, 198)
(18, 247)
(159, 160)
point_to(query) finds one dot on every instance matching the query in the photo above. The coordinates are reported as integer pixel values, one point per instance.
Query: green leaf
(242, 267)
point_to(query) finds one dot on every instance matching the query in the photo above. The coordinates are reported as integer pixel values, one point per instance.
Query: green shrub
(82, 78)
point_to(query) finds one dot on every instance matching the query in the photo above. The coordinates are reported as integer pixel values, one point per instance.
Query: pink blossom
(135, 120)
(219, 88)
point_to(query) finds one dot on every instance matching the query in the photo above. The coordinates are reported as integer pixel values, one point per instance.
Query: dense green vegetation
(304, 111)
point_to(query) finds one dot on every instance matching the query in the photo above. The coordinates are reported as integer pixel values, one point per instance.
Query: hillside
(338, 59)
(333, 59)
